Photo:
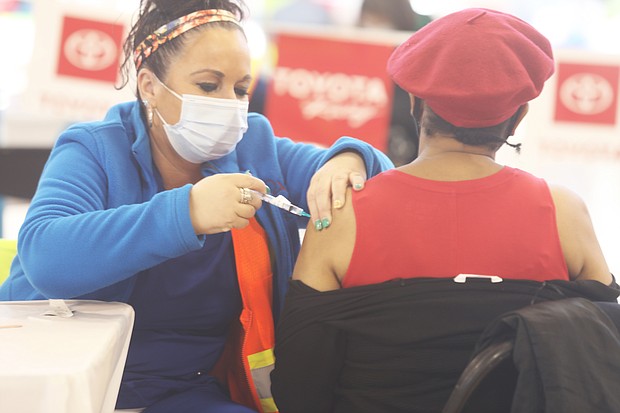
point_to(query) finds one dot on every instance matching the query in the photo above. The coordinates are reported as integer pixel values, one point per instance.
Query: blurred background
(319, 70)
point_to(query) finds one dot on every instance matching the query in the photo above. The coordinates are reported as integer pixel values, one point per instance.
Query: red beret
(475, 67)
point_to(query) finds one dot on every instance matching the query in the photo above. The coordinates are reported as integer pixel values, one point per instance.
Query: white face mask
(208, 128)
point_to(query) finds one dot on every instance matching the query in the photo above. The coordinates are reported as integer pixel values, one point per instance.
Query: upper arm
(582, 252)
(325, 255)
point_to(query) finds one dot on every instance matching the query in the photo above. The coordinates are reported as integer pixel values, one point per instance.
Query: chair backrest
(487, 384)
(8, 249)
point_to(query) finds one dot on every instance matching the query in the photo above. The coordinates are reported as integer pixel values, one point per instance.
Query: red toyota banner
(324, 88)
(587, 93)
(90, 49)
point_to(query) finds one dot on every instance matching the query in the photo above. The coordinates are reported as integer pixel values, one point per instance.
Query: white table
(53, 364)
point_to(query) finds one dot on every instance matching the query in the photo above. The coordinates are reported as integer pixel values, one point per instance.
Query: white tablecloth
(62, 365)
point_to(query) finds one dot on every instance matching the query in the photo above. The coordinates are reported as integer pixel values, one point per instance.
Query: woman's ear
(146, 84)
(416, 114)
(412, 103)
(521, 112)
(417, 107)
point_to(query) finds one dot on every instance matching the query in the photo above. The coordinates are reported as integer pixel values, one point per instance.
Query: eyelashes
(213, 87)
(208, 87)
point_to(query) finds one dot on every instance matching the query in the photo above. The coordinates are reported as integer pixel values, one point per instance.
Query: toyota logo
(587, 93)
(91, 50)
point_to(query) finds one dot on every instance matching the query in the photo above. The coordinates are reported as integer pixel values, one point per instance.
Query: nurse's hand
(329, 185)
(217, 203)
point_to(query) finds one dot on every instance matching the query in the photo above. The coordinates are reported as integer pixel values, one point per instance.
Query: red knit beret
(475, 67)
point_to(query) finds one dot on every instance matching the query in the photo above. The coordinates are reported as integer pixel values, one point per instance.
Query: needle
(280, 202)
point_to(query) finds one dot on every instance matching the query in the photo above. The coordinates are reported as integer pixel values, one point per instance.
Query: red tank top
(503, 225)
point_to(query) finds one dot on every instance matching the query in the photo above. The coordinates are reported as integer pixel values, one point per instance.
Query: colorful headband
(176, 28)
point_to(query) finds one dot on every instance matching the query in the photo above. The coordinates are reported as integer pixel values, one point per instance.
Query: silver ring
(246, 195)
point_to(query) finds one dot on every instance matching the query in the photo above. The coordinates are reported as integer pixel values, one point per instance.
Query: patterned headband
(176, 28)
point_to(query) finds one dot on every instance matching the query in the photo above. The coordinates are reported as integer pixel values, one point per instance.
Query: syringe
(281, 202)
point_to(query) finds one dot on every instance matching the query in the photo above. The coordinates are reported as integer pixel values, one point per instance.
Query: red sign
(90, 49)
(323, 89)
(587, 93)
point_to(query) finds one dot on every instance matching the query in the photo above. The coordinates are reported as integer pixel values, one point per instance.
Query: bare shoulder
(580, 246)
(325, 255)
(567, 200)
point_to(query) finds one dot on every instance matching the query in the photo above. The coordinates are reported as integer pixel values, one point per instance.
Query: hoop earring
(149, 113)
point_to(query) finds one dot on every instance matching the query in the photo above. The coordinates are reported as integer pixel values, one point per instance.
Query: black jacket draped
(398, 346)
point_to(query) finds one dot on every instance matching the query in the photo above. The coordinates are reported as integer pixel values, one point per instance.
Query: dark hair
(398, 12)
(492, 136)
(153, 14)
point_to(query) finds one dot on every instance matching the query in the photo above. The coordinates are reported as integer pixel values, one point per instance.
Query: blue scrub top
(183, 309)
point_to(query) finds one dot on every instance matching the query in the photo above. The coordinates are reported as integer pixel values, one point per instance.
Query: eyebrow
(218, 74)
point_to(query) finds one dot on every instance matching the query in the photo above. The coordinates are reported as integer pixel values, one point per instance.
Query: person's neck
(175, 177)
(443, 158)
(174, 170)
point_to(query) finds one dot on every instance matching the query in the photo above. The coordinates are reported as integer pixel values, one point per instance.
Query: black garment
(567, 354)
(398, 346)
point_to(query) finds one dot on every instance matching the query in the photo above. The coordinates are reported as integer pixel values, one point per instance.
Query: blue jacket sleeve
(84, 232)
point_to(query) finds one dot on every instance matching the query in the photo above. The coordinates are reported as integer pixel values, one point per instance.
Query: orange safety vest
(248, 359)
